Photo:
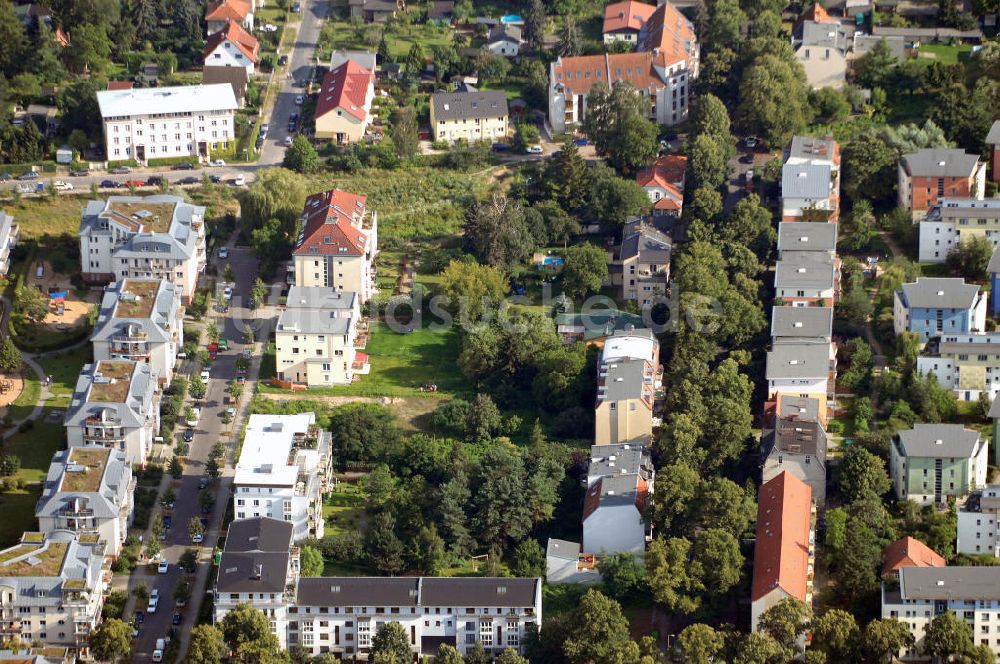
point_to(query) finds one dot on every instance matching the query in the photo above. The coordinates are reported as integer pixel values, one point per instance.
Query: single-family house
(470, 116)
(343, 109)
(504, 39)
(641, 265)
(930, 174)
(623, 21)
(822, 48)
(566, 563)
(931, 462)
(664, 182)
(219, 13)
(232, 47)
(235, 77)
(375, 11)
(932, 306)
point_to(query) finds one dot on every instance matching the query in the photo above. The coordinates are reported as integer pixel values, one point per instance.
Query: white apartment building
(620, 486)
(978, 521)
(971, 593)
(282, 472)
(52, 587)
(143, 237)
(807, 279)
(317, 336)
(8, 240)
(141, 320)
(953, 220)
(967, 364)
(160, 123)
(88, 490)
(116, 404)
(810, 180)
(808, 369)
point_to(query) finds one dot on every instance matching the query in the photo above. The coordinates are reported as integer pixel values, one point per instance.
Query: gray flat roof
(950, 583)
(417, 591)
(805, 322)
(562, 549)
(938, 440)
(806, 180)
(940, 293)
(940, 162)
(469, 105)
(805, 269)
(807, 236)
(798, 360)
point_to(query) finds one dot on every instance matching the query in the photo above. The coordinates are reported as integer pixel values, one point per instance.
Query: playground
(66, 311)
(11, 386)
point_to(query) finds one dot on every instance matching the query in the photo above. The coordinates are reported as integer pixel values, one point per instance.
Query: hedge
(18, 169)
(170, 161)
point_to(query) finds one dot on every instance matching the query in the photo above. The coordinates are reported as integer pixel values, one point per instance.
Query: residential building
(620, 485)
(631, 458)
(625, 399)
(317, 337)
(932, 306)
(565, 563)
(781, 405)
(807, 279)
(669, 32)
(802, 368)
(931, 462)
(375, 11)
(504, 39)
(115, 404)
(822, 48)
(340, 615)
(923, 593)
(39, 655)
(863, 43)
(338, 244)
(993, 269)
(908, 552)
(52, 588)
(259, 565)
(235, 77)
(802, 324)
(9, 232)
(146, 124)
(344, 107)
(810, 180)
(592, 325)
(141, 320)
(632, 344)
(144, 237)
(441, 12)
(979, 522)
(783, 555)
(993, 140)
(664, 182)
(641, 264)
(930, 174)
(366, 59)
(623, 21)
(969, 365)
(220, 13)
(798, 236)
(994, 416)
(88, 490)
(232, 47)
(282, 472)
(953, 220)
(470, 116)
(798, 446)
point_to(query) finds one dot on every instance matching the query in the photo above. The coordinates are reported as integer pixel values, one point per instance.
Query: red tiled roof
(666, 171)
(330, 224)
(781, 558)
(814, 12)
(670, 34)
(668, 203)
(345, 87)
(580, 73)
(235, 33)
(61, 38)
(119, 85)
(909, 552)
(628, 15)
(228, 10)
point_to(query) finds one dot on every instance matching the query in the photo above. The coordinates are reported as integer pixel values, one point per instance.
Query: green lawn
(65, 369)
(26, 400)
(43, 216)
(36, 446)
(946, 54)
(18, 508)
(400, 38)
(343, 508)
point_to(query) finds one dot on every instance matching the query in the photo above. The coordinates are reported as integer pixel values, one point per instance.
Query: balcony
(103, 437)
(10, 627)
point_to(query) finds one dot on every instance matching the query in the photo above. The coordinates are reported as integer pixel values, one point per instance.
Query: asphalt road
(209, 430)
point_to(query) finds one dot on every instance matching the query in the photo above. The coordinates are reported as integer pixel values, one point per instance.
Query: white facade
(8, 240)
(801, 368)
(615, 529)
(282, 472)
(967, 364)
(155, 123)
(316, 337)
(978, 522)
(506, 47)
(229, 54)
(954, 219)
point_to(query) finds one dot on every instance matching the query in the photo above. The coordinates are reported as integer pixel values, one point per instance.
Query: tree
(383, 548)
(90, 49)
(528, 559)
(472, 287)
(525, 136)
(861, 475)
(391, 644)
(674, 577)
(258, 292)
(30, 303)
(567, 177)
(207, 645)
(707, 163)
(195, 528)
(477, 655)
(447, 654)
(247, 633)
(415, 60)
(569, 43)
(301, 156)
(363, 433)
(404, 131)
(617, 124)
(560, 226)
(774, 100)
(711, 118)
(598, 632)
(622, 575)
(276, 194)
(585, 269)
(882, 639)
(498, 234)
(10, 356)
(836, 634)
(510, 656)
(970, 256)
(785, 621)
(946, 636)
(451, 516)
(311, 561)
(700, 644)
(875, 66)
(535, 20)
(111, 641)
(725, 22)
(613, 199)
(492, 66)
(499, 498)
(759, 648)
(13, 42)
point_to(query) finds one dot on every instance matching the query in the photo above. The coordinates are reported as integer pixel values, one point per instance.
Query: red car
(134, 182)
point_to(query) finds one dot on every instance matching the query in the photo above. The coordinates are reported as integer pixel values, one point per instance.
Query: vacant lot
(42, 216)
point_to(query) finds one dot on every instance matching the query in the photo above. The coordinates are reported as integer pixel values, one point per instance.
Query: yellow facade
(339, 126)
(315, 359)
(621, 421)
(472, 129)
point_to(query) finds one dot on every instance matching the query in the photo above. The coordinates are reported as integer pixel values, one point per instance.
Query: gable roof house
(232, 47)
(375, 11)
(504, 39)
(236, 77)
(664, 182)
(784, 553)
(475, 115)
(909, 552)
(623, 21)
(220, 13)
(822, 47)
(929, 174)
(798, 446)
(343, 110)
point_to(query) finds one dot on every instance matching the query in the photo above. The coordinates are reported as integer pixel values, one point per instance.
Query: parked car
(219, 162)
(205, 375)
(28, 175)
(60, 185)
(202, 483)
(223, 252)
(154, 600)
(188, 435)
(535, 149)
(263, 128)
(189, 180)
(228, 292)
(162, 567)
(139, 617)
(154, 181)
(239, 180)
(183, 166)
(750, 142)
(259, 142)
(176, 620)
(121, 170)
(282, 60)
(4, 177)
(501, 147)
(79, 172)
(197, 539)
(581, 142)
(297, 7)
(299, 99)
(215, 179)
(167, 521)
(289, 140)
(109, 184)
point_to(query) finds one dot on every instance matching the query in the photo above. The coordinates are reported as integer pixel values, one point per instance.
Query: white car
(288, 141)
(59, 185)
(219, 162)
(224, 252)
(205, 375)
(535, 149)
(228, 292)
(299, 99)
(162, 567)
(154, 599)
(197, 539)
(269, 27)
(239, 180)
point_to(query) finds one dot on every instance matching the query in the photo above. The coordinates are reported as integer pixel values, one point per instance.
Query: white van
(161, 644)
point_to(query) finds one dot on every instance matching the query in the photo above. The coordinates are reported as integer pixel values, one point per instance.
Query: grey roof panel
(805, 322)
(252, 571)
(940, 293)
(805, 269)
(939, 440)
(479, 591)
(357, 591)
(949, 583)
(469, 105)
(562, 549)
(806, 180)
(798, 360)
(807, 236)
(259, 534)
(940, 162)
(994, 264)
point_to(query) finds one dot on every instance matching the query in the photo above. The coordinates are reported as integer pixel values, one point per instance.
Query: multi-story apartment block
(340, 615)
(282, 472)
(933, 306)
(115, 404)
(784, 553)
(796, 237)
(822, 47)
(161, 123)
(631, 343)
(953, 220)
(796, 445)
(807, 279)
(979, 522)
(316, 337)
(88, 490)
(338, 244)
(625, 399)
(807, 369)
(144, 237)
(9, 232)
(967, 364)
(141, 320)
(923, 593)
(52, 587)
(620, 486)
(931, 174)
(810, 180)
(802, 324)
(641, 265)
(470, 116)
(931, 462)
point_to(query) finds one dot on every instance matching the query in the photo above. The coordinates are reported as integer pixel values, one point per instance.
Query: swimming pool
(552, 261)
(512, 19)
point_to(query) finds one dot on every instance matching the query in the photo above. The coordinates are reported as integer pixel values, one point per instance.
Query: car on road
(294, 117)
(121, 170)
(219, 162)
(299, 99)
(206, 509)
(263, 128)
(28, 175)
(59, 185)
(239, 180)
(162, 567)
(79, 172)
(288, 141)
(189, 180)
(183, 166)
(241, 379)
(197, 539)
(202, 483)
(283, 60)
(154, 600)
(167, 521)
(188, 435)
(176, 620)
(231, 412)
(109, 184)
(134, 182)
(215, 179)
(161, 645)
(223, 252)
(535, 149)
(581, 142)
(205, 375)
(154, 181)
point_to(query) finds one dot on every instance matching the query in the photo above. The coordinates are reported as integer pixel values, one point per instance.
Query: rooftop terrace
(136, 299)
(32, 560)
(86, 468)
(111, 382)
(155, 217)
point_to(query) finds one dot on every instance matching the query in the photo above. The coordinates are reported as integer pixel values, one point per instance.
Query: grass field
(18, 508)
(400, 38)
(946, 54)
(344, 508)
(43, 216)
(35, 447)
(65, 369)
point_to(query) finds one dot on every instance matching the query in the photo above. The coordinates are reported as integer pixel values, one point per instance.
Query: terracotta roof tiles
(331, 224)
(781, 558)
(234, 33)
(628, 15)
(909, 552)
(345, 87)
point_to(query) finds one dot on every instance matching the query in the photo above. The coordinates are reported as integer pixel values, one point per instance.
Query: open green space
(399, 38)
(35, 447)
(18, 508)
(64, 368)
(344, 508)
(946, 54)
(47, 216)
